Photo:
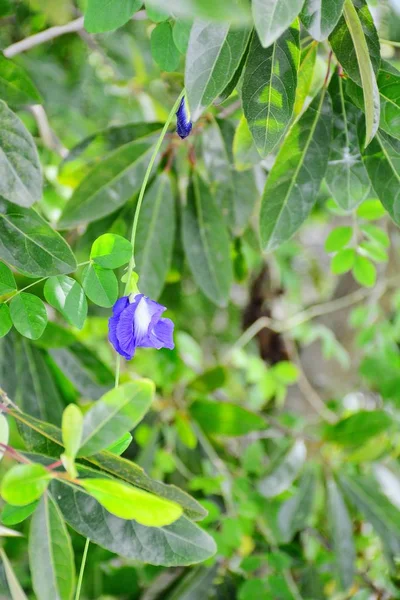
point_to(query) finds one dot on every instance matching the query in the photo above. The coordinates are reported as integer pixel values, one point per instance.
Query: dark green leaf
(214, 53)
(5, 320)
(225, 418)
(346, 175)
(100, 285)
(269, 88)
(294, 181)
(320, 17)
(28, 314)
(106, 15)
(163, 48)
(51, 556)
(111, 251)
(30, 245)
(206, 243)
(182, 543)
(67, 296)
(342, 534)
(283, 471)
(16, 591)
(155, 236)
(295, 512)
(273, 17)
(21, 177)
(16, 87)
(358, 428)
(111, 183)
(119, 411)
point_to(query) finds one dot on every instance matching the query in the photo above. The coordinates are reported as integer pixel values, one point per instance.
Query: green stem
(83, 564)
(390, 43)
(131, 265)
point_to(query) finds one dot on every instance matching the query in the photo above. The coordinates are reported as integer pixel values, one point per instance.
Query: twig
(48, 136)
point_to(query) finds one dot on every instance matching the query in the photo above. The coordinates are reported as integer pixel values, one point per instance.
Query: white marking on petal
(142, 318)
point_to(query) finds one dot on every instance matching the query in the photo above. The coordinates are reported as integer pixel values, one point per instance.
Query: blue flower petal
(184, 125)
(163, 332)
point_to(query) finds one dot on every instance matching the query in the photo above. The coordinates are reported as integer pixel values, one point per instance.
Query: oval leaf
(100, 285)
(16, 87)
(106, 15)
(273, 17)
(111, 251)
(320, 17)
(224, 418)
(23, 484)
(7, 281)
(28, 314)
(68, 297)
(5, 320)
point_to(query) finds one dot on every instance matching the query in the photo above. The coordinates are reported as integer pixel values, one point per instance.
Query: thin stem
(390, 43)
(83, 564)
(117, 370)
(25, 288)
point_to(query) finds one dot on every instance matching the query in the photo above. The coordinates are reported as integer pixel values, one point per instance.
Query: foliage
(260, 455)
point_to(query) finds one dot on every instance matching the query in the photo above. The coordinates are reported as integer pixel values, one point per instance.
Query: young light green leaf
(51, 556)
(273, 17)
(342, 534)
(295, 512)
(155, 236)
(163, 48)
(5, 320)
(16, 591)
(21, 177)
(120, 445)
(338, 239)
(346, 176)
(106, 15)
(376, 234)
(4, 432)
(283, 471)
(16, 87)
(126, 502)
(368, 79)
(185, 431)
(269, 88)
(374, 252)
(11, 515)
(155, 14)
(364, 271)
(214, 53)
(371, 210)
(100, 285)
(68, 297)
(30, 245)
(71, 429)
(111, 251)
(23, 484)
(343, 261)
(206, 243)
(225, 418)
(320, 17)
(28, 314)
(7, 281)
(109, 185)
(295, 179)
(117, 412)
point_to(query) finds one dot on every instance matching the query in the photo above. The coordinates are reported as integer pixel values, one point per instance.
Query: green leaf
(295, 179)
(214, 53)
(185, 431)
(120, 445)
(163, 48)
(182, 543)
(16, 87)
(100, 285)
(117, 412)
(16, 591)
(4, 433)
(283, 471)
(51, 556)
(71, 429)
(30, 245)
(11, 515)
(127, 502)
(320, 17)
(273, 17)
(371, 210)
(235, 11)
(376, 234)
(346, 176)
(111, 251)
(269, 88)
(367, 74)
(382, 161)
(338, 239)
(154, 14)
(7, 281)
(109, 185)
(68, 297)
(341, 527)
(245, 153)
(21, 177)
(106, 15)
(5, 320)
(155, 236)
(358, 428)
(23, 484)
(294, 513)
(364, 271)
(225, 418)
(28, 314)
(181, 34)
(305, 76)
(343, 45)
(206, 243)
(343, 261)
(374, 252)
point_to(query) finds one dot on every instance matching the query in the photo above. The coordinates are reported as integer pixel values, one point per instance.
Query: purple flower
(137, 323)
(184, 124)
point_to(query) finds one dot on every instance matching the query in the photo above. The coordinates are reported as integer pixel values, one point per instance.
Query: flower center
(142, 318)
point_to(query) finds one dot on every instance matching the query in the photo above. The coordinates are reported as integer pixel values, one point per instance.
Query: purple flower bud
(138, 324)
(184, 124)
